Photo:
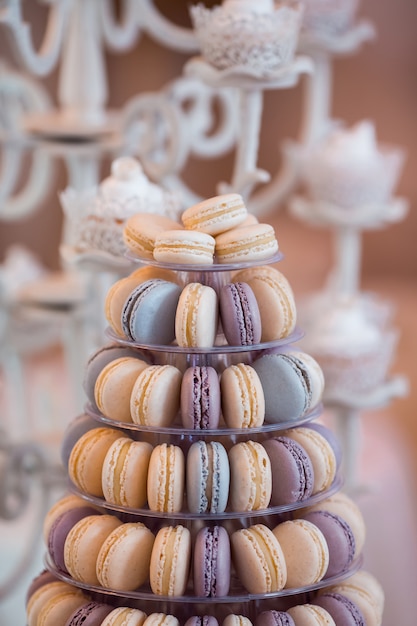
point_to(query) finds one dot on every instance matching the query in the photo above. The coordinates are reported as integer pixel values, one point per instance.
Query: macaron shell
(125, 616)
(125, 471)
(166, 478)
(98, 360)
(286, 390)
(343, 610)
(316, 375)
(161, 619)
(250, 477)
(365, 591)
(236, 620)
(75, 429)
(83, 544)
(124, 558)
(305, 551)
(208, 477)
(196, 318)
(148, 315)
(215, 215)
(155, 398)
(41, 597)
(211, 562)
(292, 471)
(87, 457)
(170, 561)
(204, 620)
(188, 247)
(311, 615)
(321, 455)
(59, 608)
(275, 299)
(200, 398)
(258, 559)
(141, 230)
(242, 397)
(43, 578)
(256, 242)
(239, 313)
(114, 386)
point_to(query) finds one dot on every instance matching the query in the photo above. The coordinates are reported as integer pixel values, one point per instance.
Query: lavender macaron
(148, 315)
(200, 398)
(274, 618)
(344, 611)
(239, 314)
(292, 471)
(212, 562)
(89, 614)
(339, 538)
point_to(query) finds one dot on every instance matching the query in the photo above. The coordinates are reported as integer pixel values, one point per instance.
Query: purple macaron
(239, 314)
(212, 562)
(43, 578)
(292, 471)
(274, 618)
(344, 611)
(148, 315)
(60, 529)
(200, 398)
(89, 614)
(339, 538)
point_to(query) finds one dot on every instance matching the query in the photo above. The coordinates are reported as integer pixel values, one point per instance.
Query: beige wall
(378, 83)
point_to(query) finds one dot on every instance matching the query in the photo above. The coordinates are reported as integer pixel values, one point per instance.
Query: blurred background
(378, 83)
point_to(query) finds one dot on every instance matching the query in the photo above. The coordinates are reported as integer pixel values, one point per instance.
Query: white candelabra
(269, 47)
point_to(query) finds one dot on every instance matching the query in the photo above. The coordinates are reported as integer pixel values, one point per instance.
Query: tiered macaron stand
(238, 600)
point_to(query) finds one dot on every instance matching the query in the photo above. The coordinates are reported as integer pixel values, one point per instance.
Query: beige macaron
(124, 557)
(258, 559)
(197, 315)
(170, 561)
(311, 615)
(125, 472)
(60, 607)
(250, 477)
(64, 504)
(86, 460)
(125, 616)
(166, 478)
(305, 551)
(83, 544)
(42, 596)
(155, 398)
(255, 242)
(141, 230)
(242, 397)
(215, 215)
(114, 385)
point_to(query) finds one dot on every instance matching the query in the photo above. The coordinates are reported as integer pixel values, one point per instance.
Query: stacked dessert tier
(201, 489)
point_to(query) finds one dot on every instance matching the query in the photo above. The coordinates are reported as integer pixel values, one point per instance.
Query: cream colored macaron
(215, 215)
(242, 397)
(170, 561)
(250, 477)
(305, 551)
(113, 387)
(166, 478)
(197, 315)
(124, 558)
(258, 559)
(188, 247)
(255, 242)
(83, 544)
(85, 463)
(155, 398)
(125, 616)
(125, 471)
(141, 230)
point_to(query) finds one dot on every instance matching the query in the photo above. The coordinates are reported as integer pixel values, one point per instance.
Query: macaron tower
(201, 489)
